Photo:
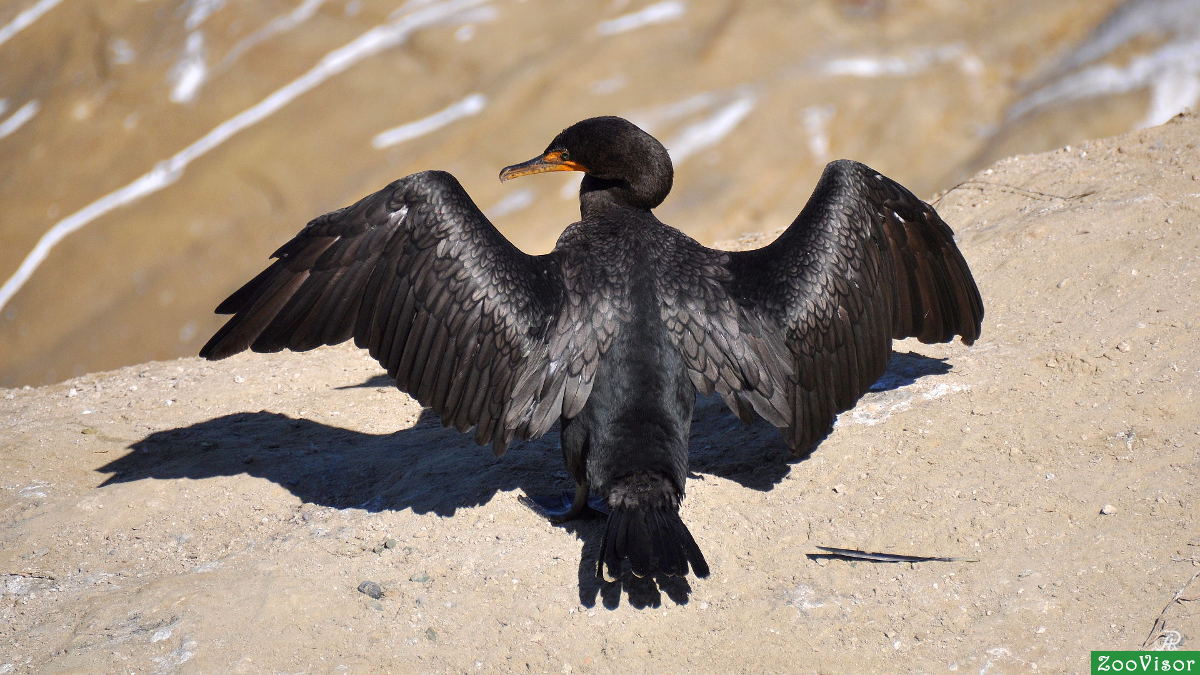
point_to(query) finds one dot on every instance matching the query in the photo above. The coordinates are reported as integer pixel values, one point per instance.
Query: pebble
(419, 577)
(1108, 509)
(389, 543)
(371, 589)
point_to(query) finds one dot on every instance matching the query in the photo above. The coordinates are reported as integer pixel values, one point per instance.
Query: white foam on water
(649, 118)
(473, 104)
(1172, 92)
(122, 52)
(190, 71)
(169, 170)
(511, 203)
(609, 84)
(570, 186)
(19, 117)
(712, 129)
(200, 10)
(26, 18)
(659, 12)
(280, 24)
(815, 119)
(1171, 72)
(1130, 20)
(911, 63)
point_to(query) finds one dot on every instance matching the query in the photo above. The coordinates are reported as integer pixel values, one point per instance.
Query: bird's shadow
(431, 469)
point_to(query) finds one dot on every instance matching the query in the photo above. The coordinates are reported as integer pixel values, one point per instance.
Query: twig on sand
(31, 575)
(1159, 632)
(883, 557)
(983, 185)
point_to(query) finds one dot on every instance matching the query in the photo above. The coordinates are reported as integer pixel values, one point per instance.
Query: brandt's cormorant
(615, 331)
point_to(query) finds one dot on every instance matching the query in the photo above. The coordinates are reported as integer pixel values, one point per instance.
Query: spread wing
(815, 311)
(415, 273)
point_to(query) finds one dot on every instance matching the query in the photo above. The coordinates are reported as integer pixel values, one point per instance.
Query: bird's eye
(564, 155)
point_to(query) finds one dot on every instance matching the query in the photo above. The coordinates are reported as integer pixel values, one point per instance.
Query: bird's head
(623, 164)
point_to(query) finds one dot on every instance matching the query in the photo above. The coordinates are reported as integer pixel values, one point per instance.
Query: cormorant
(615, 331)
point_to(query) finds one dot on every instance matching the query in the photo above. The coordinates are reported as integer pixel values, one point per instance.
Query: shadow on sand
(431, 469)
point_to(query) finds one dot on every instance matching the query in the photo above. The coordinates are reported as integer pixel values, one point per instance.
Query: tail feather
(653, 539)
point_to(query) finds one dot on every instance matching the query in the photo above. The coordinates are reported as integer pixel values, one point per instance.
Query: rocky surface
(153, 153)
(242, 516)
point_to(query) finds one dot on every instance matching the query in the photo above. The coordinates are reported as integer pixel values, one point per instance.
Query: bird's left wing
(798, 330)
(415, 273)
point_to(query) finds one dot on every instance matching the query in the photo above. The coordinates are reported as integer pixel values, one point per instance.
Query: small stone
(1123, 346)
(239, 379)
(389, 543)
(1040, 630)
(372, 589)
(419, 577)
(1108, 509)
(88, 430)
(431, 634)
(839, 488)
(73, 393)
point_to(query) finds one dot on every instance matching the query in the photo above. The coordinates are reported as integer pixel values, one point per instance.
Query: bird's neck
(598, 195)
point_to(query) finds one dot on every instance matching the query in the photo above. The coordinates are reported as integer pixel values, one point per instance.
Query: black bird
(615, 331)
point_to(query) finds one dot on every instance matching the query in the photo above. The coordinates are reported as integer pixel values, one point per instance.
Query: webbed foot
(566, 506)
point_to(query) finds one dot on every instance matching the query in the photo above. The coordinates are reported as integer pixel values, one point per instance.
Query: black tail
(654, 539)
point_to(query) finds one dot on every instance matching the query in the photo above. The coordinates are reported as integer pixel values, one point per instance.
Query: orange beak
(551, 161)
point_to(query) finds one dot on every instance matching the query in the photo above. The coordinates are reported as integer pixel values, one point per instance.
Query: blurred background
(153, 153)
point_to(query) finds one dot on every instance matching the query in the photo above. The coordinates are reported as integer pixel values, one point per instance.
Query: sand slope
(188, 516)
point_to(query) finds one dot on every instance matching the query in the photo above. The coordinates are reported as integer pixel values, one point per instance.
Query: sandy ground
(188, 516)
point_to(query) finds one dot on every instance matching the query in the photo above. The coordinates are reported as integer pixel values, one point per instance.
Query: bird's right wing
(467, 323)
